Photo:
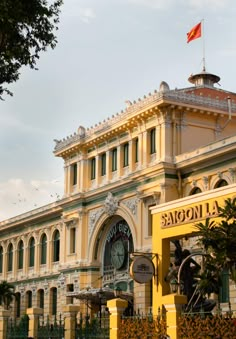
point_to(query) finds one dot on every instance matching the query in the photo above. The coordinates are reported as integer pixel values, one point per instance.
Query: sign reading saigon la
(190, 214)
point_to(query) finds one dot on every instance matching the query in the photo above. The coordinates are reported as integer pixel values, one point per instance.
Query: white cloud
(158, 4)
(192, 4)
(86, 14)
(208, 4)
(18, 196)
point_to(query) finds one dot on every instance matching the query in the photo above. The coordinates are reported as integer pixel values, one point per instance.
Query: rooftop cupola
(204, 79)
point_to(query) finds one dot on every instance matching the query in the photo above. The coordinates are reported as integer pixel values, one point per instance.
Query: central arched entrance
(116, 256)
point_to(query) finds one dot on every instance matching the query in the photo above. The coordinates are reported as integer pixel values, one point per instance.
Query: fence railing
(140, 325)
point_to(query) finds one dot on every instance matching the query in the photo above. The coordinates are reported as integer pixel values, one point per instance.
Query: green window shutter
(31, 252)
(74, 174)
(29, 297)
(20, 254)
(56, 246)
(10, 258)
(153, 141)
(54, 301)
(93, 168)
(41, 299)
(18, 304)
(44, 249)
(1, 258)
(114, 159)
(224, 289)
(103, 164)
(126, 155)
(136, 150)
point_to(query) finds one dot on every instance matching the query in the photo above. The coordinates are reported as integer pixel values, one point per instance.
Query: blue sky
(108, 51)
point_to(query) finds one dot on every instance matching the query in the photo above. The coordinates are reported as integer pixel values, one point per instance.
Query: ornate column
(4, 315)
(173, 304)
(33, 314)
(70, 312)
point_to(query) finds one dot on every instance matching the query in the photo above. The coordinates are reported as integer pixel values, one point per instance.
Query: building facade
(166, 146)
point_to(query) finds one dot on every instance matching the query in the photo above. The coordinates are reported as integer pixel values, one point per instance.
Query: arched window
(29, 299)
(56, 246)
(18, 304)
(41, 299)
(20, 255)
(43, 249)
(221, 183)
(1, 258)
(53, 301)
(195, 190)
(10, 257)
(31, 252)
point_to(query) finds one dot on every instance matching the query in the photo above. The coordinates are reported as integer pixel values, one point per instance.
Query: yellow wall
(165, 230)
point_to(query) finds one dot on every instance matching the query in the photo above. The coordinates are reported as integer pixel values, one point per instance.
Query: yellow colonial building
(171, 145)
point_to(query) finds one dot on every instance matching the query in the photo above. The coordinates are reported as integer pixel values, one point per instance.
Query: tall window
(20, 254)
(126, 154)
(153, 141)
(72, 239)
(18, 304)
(1, 258)
(43, 249)
(41, 298)
(54, 301)
(114, 160)
(56, 246)
(103, 164)
(31, 252)
(224, 288)
(93, 168)
(74, 174)
(29, 299)
(10, 258)
(136, 150)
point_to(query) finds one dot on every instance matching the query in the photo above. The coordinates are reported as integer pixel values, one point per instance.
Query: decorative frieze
(132, 205)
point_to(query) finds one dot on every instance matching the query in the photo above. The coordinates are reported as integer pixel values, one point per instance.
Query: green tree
(218, 240)
(6, 293)
(27, 27)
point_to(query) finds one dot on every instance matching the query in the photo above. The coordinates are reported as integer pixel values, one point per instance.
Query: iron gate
(53, 330)
(18, 330)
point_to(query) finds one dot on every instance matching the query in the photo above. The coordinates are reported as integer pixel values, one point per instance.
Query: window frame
(126, 154)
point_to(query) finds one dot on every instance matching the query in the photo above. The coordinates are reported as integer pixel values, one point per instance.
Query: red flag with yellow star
(196, 32)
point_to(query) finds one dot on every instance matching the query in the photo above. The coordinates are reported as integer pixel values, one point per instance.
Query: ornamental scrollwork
(111, 204)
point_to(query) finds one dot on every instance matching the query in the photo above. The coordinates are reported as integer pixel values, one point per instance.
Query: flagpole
(203, 42)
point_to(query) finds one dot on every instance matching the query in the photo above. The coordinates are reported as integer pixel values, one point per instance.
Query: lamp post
(100, 296)
(174, 285)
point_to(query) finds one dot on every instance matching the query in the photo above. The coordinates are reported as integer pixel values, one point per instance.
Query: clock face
(118, 254)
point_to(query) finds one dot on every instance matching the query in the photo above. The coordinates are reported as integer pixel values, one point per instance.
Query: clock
(118, 254)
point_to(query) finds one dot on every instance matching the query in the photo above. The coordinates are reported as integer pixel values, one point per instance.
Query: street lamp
(174, 285)
(100, 296)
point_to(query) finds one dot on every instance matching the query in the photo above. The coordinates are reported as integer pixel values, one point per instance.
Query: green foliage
(196, 327)
(6, 293)
(27, 27)
(218, 239)
(142, 327)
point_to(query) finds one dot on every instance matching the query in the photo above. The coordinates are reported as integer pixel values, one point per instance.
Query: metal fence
(18, 330)
(51, 330)
(92, 328)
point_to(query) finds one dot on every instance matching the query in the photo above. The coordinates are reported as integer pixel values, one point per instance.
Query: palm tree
(6, 294)
(218, 240)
